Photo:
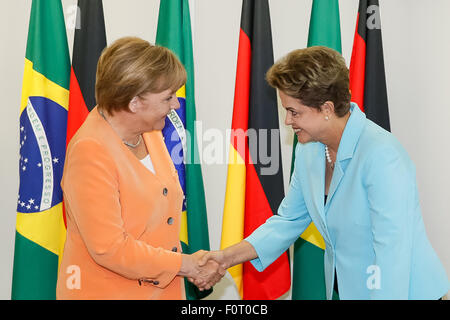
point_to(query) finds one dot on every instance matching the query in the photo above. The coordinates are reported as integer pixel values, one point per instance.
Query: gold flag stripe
(312, 235)
(234, 209)
(45, 228)
(35, 84)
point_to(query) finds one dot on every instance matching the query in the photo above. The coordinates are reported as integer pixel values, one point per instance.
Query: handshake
(204, 268)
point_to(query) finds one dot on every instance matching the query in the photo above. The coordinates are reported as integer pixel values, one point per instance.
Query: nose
(288, 120)
(175, 103)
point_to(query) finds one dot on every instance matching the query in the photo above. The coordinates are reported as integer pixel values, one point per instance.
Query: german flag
(367, 76)
(254, 191)
(40, 230)
(89, 41)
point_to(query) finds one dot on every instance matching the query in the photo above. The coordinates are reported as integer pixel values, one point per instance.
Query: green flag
(174, 32)
(40, 229)
(308, 269)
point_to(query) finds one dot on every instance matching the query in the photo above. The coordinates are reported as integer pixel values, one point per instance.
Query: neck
(335, 133)
(124, 124)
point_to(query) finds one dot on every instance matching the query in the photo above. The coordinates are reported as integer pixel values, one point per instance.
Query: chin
(302, 139)
(160, 127)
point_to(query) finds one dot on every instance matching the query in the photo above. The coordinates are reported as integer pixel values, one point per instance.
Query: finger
(201, 253)
(217, 279)
(199, 283)
(203, 260)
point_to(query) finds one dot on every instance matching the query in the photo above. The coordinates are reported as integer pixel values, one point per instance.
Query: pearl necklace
(125, 142)
(327, 154)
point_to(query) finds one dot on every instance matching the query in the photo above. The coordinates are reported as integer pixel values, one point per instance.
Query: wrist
(238, 253)
(228, 258)
(231, 256)
(187, 265)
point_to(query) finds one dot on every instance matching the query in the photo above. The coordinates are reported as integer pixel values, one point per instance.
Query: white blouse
(147, 162)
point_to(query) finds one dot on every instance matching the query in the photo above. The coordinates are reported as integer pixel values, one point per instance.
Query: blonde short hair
(131, 67)
(313, 75)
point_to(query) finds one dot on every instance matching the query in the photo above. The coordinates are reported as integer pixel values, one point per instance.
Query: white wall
(416, 51)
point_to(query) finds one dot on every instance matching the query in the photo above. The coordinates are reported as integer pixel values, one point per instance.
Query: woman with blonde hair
(121, 191)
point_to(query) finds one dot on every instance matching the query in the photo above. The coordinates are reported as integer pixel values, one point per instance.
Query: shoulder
(376, 140)
(91, 144)
(380, 150)
(94, 136)
(88, 140)
(84, 146)
(96, 128)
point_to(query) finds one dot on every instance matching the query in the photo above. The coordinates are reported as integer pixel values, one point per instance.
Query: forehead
(164, 93)
(290, 102)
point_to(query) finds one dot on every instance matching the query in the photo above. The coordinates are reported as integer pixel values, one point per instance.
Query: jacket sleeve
(280, 231)
(391, 195)
(91, 190)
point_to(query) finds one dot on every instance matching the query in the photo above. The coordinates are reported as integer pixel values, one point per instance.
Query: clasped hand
(206, 268)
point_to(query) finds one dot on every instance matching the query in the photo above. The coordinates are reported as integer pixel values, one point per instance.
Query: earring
(327, 118)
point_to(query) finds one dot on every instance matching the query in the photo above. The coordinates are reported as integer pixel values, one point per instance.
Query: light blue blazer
(371, 224)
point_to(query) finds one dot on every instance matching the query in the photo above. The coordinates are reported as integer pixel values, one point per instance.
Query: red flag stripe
(357, 69)
(242, 95)
(77, 108)
(274, 281)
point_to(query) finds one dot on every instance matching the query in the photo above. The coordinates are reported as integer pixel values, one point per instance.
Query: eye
(293, 113)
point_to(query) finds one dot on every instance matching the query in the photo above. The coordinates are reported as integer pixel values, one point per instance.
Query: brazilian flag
(40, 228)
(174, 33)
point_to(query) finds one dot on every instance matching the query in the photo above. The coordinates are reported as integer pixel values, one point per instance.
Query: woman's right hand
(203, 275)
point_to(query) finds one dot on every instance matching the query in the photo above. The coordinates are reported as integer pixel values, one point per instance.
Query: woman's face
(154, 107)
(308, 123)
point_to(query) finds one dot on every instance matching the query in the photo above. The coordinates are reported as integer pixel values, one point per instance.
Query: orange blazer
(123, 221)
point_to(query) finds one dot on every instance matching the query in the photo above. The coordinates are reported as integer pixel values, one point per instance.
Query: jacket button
(165, 191)
(170, 220)
(174, 249)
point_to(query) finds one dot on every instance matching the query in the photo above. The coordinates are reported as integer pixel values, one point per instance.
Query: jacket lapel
(312, 170)
(349, 140)
(335, 180)
(158, 153)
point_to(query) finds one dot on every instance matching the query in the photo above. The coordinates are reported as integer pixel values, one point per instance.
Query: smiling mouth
(297, 130)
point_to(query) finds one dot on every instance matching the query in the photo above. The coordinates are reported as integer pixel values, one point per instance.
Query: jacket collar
(351, 134)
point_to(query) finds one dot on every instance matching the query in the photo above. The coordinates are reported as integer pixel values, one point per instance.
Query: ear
(327, 108)
(133, 105)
